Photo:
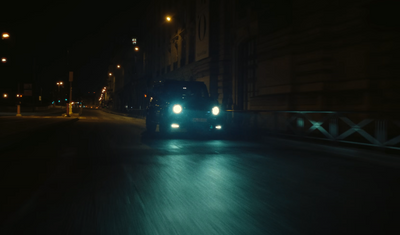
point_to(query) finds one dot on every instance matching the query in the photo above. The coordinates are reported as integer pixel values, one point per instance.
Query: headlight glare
(215, 110)
(177, 109)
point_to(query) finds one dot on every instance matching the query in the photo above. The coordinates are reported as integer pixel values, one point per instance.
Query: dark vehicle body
(198, 112)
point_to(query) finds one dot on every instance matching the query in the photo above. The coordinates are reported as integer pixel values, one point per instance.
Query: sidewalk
(353, 152)
(49, 112)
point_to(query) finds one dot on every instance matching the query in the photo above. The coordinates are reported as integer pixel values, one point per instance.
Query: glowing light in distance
(5, 95)
(174, 125)
(5, 35)
(118, 66)
(177, 109)
(109, 74)
(3, 60)
(136, 48)
(215, 110)
(168, 18)
(218, 127)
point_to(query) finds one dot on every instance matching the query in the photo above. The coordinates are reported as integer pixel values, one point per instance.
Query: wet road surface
(103, 175)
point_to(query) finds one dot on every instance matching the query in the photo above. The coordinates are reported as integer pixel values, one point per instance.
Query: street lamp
(59, 84)
(5, 95)
(109, 74)
(3, 60)
(168, 18)
(118, 66)
(5, 36)
(136, 48)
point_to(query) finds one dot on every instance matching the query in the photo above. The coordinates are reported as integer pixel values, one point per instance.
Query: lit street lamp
(5, 36)
(5, 95)
(168, 18)
(118, 66)
(59, 84)
(136, 48)
(3, 60)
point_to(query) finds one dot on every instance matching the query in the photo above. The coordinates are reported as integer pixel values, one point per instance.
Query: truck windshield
(185, 90)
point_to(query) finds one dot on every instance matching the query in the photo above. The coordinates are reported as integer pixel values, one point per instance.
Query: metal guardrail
(365, 128)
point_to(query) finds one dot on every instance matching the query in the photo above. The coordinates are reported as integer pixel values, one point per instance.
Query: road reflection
(198, 192)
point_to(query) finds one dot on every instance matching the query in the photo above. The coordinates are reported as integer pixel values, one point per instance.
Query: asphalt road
(102, 174)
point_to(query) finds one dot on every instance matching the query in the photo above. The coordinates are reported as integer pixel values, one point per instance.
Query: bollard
(18, 110)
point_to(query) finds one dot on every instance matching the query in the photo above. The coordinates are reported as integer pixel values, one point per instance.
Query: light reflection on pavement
(111, 180)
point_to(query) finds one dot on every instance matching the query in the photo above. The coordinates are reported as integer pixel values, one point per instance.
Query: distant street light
(168, 18)
(59, 84)
(5, 36)
(5, 95)
(109, 74)
(118, 66)
(3, 60)
(136, 48)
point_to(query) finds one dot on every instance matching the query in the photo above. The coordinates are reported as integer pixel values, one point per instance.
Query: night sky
(44, 32)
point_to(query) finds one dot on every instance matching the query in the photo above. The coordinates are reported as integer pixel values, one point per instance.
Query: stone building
(189, 45)
(316, 55)
(278, 54)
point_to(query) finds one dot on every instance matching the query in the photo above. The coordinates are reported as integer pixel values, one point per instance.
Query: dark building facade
(191, 46)
(273, 54)
(317, 55)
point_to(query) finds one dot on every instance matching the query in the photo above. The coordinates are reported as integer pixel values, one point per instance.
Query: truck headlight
(177, 109)
(215, 110)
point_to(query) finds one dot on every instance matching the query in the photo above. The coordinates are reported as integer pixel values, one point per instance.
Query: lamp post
(58, 95)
